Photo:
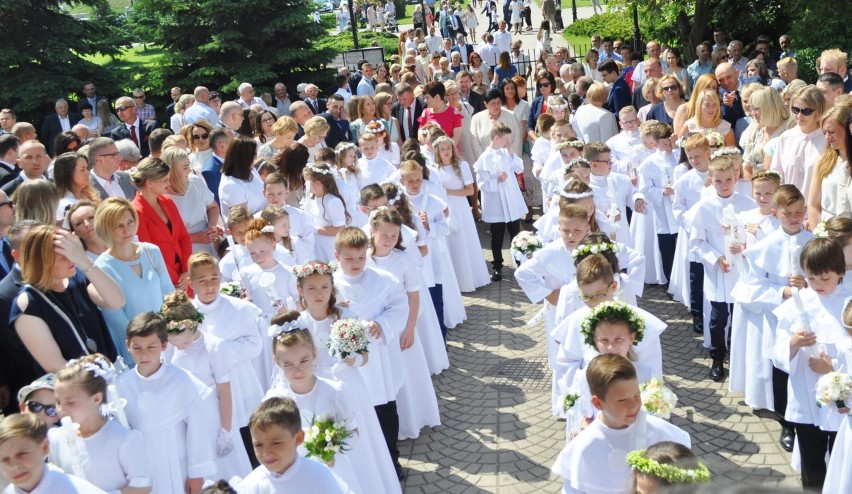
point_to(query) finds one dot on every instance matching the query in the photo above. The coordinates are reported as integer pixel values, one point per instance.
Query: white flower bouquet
(347, 337)
(834, 387)
(524, 246)
(715, 139)
(325, 438)
(657, 398)
(231, 289)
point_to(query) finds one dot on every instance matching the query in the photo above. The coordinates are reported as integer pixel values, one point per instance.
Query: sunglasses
(804, 111)
(121, 108)
(670, 88)
(36, 407)
(544, 84)
(138, 97)
(196, 137)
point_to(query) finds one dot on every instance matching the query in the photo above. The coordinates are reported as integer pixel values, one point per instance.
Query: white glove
(224, 443)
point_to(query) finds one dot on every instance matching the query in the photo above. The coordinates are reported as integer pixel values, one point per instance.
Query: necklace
(91, 345)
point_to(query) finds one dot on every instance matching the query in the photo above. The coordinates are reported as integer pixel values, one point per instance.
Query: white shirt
(434, 43)
(365, 87)
(111, 186)
(503, 41)
(65, 123)
(488, 52)
(344, 93)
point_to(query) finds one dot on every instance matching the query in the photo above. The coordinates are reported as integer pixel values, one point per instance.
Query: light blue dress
(143, 293)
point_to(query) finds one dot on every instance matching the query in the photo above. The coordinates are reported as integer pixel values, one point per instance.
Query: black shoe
(496, 275)
(698, 324)
(788, 437)
(400, 472)
(717, 370)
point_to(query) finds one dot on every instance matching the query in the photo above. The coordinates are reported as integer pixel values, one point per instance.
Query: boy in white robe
(374, 296)
(276, 432)
(655, 181)
(372, 168)
(596, 459)
(622, 144)
(614, 192)
(707, 241)
(23, 449)
(170, 407)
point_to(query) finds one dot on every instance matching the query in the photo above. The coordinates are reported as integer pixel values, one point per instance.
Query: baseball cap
(47, 381)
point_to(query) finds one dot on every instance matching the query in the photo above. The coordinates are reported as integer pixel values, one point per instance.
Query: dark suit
(52, 127)
(638, 100)
(336, 132)
(17, 363)
(8, 172)
(476, 101)
(734, 112)
(212, 173)
(93, 102)
(468, 49)
(170, 111)
(619, 96)
(124, 181)
(318, 107)
(144, 130)
(398, 111)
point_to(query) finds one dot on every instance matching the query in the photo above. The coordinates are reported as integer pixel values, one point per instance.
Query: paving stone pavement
(498, 435)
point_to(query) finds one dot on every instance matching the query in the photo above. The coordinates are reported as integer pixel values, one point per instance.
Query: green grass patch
(116, 5)
(136, 57)
(343, 42)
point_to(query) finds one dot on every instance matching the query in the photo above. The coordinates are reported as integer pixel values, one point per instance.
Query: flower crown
(316, 267)
(820, 230)
(680, 142)
(341, 148)
(268, 229)
(578, 163)
(276, 330)
(99, 367)
(670, 473)
(374, 130)
(771, 174)
(376, 211)
(314, 169)
(441, 140)
(576, 196)
(558, 107)
(584, 250)
(727, 151)
(617, 310)
(393, 200)
(178, 326)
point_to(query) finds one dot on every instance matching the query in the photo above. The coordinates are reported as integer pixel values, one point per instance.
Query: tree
(43, 52)
(221, 43)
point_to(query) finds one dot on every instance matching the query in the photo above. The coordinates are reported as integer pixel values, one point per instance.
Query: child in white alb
(326, 206)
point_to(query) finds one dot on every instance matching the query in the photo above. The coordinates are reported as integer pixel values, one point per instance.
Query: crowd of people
(171, 284)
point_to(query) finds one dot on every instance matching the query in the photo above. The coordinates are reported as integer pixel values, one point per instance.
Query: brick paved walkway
(498, 435)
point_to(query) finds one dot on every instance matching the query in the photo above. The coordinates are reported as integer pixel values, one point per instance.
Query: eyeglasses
(670, 88)
(139, 97)
(36, 407)
(804, 111)
(595, 296)
(7, 203)
(608, 162)
(108, 155)
(121, 108)
(201, 137)
(543, 84)
(630, 122)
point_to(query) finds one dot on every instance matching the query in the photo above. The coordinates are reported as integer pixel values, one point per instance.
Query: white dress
(327, 398)
(502, 202)
(373, 295)
(327, 210)
(625, 193)
(687, 187)
(272, 290)
(515, 8)
(369, 455)
(238, 323)
(211, 363)
(172, 409)
(770, 262)
(233, 191)
(116, 457)
(836, 195)
(838, 477)
(302, 476)
(192, 206)
(55, 481)
(643, 227)
(463, 241)
(373, 171)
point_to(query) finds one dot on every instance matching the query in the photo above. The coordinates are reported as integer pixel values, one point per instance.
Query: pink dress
(449, 119)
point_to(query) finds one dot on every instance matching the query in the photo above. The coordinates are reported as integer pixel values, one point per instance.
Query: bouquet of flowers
(231, 289)
(715, 139)
(348, 337)
(524, 245)
(325, 438)
(834, 387)
(573, 416)
(657, 398)
(569, 400)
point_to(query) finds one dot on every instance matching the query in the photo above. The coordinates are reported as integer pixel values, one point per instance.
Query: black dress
(80, 310)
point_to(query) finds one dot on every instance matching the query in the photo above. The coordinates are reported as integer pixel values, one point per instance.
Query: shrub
(806, 58)
(343, 42)
(613, 24)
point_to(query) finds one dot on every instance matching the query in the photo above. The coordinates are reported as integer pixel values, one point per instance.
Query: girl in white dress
(370, 455)
(347, 172)
(295, 251)
(327, 207)
(269, 284)
(387, 149)
(207, 358)
(237, 322)
(296, 355)
(463, 240)
(114, 456)
(417, 403)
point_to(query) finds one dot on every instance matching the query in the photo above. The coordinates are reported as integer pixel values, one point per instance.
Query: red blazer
(175, 244)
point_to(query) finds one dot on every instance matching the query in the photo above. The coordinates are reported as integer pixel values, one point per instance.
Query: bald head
(726, 74)
(24, 131)
(201, 94)
(653, 68)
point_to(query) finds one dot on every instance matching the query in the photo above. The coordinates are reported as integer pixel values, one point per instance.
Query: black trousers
(389, 421)
(498, 232)
(779, 394)
(436, 293)
(528, 17)
(696, 288)
(720, 321)
(813, 444)
(667, 242)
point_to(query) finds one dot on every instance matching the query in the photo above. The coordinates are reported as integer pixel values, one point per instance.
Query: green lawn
(117, 6)
(133, 57)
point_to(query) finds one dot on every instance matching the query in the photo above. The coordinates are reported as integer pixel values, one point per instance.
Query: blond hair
(108, 215)
(174, 157)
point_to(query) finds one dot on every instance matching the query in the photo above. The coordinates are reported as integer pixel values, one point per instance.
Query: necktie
(133, 135)
(410, 123)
